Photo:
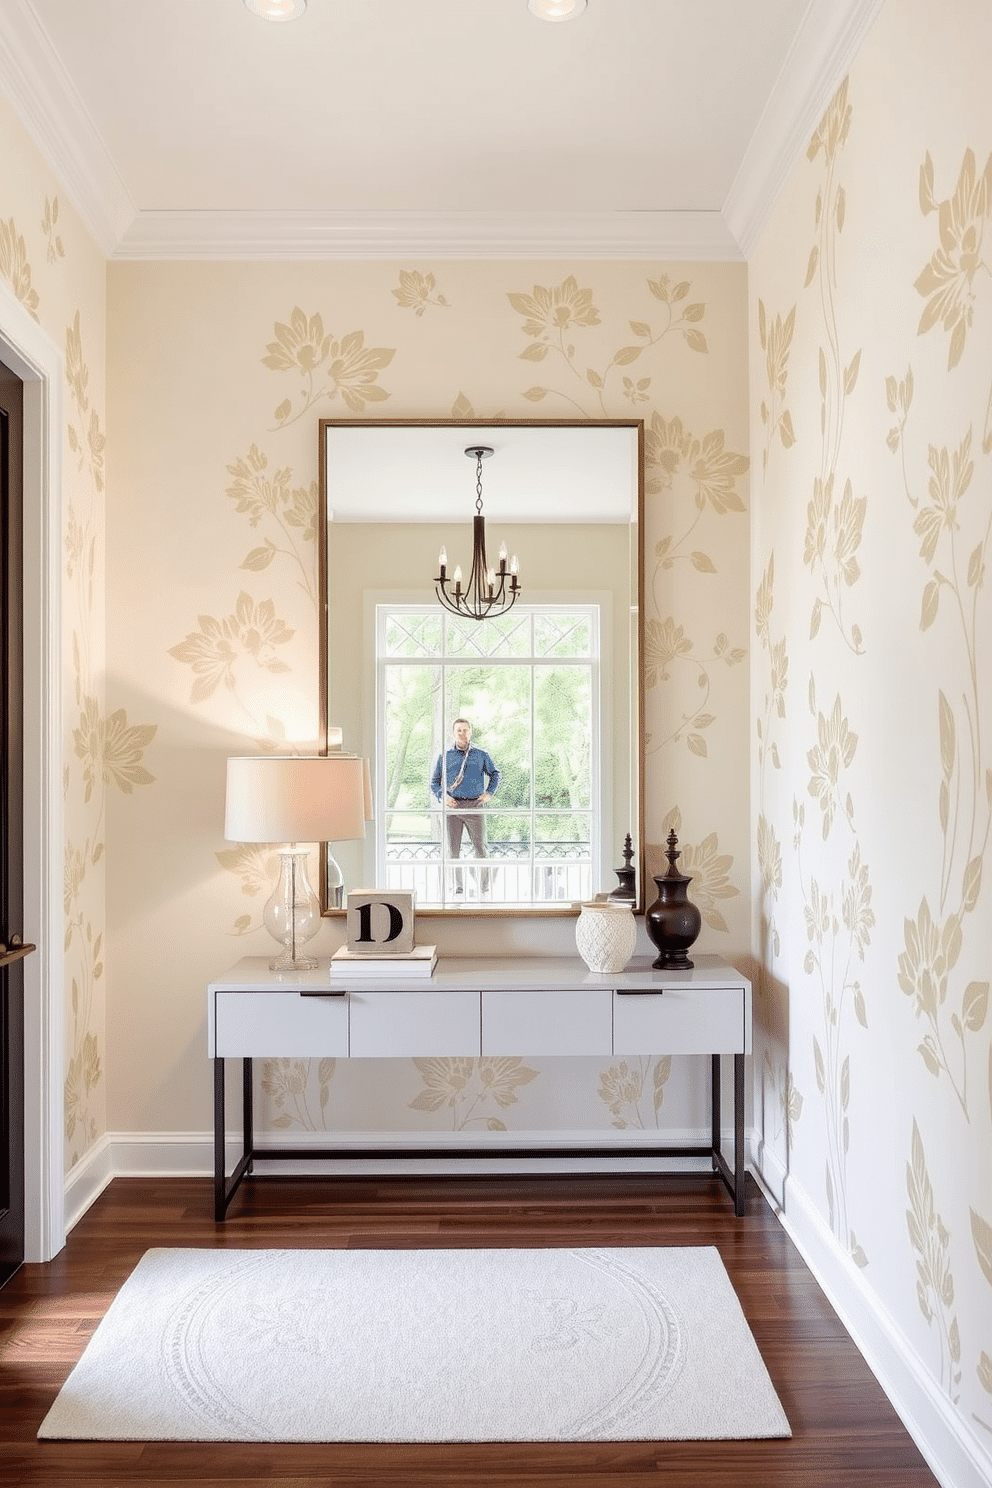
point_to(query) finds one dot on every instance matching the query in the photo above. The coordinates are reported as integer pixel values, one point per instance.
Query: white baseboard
(191, 1154)
(86, 1181)
(953, 1453)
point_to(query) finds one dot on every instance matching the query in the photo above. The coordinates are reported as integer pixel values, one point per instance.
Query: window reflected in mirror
(487, 755)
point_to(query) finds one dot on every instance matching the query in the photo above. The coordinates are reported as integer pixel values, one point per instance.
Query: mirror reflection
(504, 750)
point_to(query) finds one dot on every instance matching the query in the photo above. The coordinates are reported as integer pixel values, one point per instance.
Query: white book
(420, 962)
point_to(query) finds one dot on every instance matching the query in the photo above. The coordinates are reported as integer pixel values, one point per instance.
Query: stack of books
(420, 962)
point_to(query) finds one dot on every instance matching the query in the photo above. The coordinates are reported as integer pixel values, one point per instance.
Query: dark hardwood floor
(845, 1433)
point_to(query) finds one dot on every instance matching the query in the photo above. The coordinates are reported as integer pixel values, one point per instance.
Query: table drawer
(281, 1025)
(388, 1025)
(548, 1021)
(698, 1020)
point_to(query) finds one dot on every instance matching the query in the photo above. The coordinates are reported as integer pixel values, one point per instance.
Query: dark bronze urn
(672, 921)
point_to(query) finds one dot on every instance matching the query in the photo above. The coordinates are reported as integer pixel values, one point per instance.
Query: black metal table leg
(220, 1203)
(739, 1174)
(734, 1178)
(247, 1106)
(715, 1100)
(224, 1191)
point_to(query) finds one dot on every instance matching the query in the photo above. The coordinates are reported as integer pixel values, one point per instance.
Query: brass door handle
(16, 951)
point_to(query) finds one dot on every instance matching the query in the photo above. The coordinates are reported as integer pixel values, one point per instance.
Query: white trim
(820, 57)
(26, 349)
(952, 1451)
(191, 1155)
(427, 235)
(51, 110)
(88, 1178)
(188, 1154)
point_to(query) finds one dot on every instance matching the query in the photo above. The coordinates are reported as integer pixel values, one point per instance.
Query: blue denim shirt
(480, 773)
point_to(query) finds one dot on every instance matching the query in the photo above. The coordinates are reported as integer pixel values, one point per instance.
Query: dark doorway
(11, 831)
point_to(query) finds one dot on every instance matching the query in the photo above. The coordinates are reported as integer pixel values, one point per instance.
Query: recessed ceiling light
(556, 10)
(277, 10)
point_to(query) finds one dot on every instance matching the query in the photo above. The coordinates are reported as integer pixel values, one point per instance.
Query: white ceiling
(451, 128)
(385, 472)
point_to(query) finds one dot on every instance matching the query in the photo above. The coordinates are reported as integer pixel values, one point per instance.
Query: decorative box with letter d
(380, 922)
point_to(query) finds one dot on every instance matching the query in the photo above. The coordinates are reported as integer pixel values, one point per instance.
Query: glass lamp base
(292, 915)
(287, 962)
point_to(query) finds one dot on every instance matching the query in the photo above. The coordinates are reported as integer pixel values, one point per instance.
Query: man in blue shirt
(470, 779)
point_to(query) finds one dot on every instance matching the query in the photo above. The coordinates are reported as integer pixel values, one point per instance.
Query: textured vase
(605, 935)
(672, 921)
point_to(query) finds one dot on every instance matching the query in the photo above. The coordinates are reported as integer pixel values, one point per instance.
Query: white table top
(470, 973)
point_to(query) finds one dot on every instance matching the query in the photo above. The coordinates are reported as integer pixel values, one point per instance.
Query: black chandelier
(487, 592)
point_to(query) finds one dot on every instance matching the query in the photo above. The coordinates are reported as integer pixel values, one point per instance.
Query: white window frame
(584, 885)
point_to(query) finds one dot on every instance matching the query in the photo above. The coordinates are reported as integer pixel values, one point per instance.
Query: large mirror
(505, 751)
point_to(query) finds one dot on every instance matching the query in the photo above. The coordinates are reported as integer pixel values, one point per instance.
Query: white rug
(421, 1346)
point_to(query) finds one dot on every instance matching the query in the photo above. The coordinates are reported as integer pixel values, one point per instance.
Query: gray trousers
(475, 825)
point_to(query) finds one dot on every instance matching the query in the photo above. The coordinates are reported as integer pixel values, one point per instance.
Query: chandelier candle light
(487, 592)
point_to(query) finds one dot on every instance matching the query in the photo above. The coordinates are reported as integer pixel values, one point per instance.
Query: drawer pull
(323, 991)
(640, 991)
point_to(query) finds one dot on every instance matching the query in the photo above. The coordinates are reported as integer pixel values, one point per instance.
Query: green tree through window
(529, 684)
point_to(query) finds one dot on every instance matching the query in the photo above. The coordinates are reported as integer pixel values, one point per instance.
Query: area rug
(639, 1344)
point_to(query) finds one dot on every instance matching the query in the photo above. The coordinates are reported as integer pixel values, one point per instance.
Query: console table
(479, 1006)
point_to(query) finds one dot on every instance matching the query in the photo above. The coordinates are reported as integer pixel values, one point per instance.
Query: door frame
(29, 352)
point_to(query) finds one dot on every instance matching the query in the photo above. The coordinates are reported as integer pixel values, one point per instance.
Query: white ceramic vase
(605, 935)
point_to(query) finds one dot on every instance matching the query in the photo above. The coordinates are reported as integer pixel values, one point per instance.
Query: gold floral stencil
(15, 268)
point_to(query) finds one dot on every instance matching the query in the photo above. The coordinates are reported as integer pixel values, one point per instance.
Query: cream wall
(861, 731)
(871, 377)
(52, 266)
(219, 374)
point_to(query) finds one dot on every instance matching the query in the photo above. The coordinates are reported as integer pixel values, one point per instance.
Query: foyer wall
(51, 264)
(871, 437)
(218, 375)
(864, 722)
(206, 442)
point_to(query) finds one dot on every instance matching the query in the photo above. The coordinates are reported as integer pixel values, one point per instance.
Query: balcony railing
(512, 873)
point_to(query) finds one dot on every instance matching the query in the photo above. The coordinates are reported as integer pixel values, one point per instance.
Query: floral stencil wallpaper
(214, 511)
(818, 706)
(52, 267)
(871, 369)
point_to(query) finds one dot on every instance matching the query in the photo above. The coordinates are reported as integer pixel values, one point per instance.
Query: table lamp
(294, 799)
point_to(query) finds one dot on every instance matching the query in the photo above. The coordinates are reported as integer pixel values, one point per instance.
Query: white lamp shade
(297, 798)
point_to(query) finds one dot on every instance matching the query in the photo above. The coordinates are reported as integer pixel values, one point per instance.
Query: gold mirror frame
(473, 429)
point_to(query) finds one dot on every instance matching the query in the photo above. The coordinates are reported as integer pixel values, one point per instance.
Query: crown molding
(48, 105)
(435, 235)
(46, 100)
(820, 57)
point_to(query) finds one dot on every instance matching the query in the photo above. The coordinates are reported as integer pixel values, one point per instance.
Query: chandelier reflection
(489, 591)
